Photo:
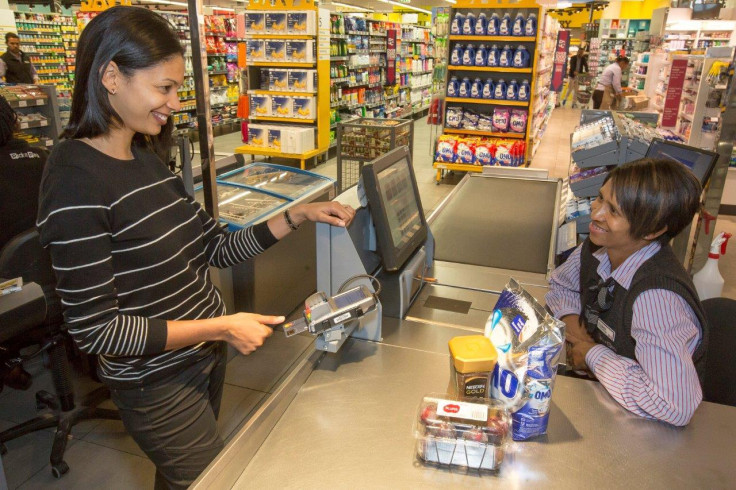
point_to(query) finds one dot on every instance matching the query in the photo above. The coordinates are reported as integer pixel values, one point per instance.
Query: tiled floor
(101, 455)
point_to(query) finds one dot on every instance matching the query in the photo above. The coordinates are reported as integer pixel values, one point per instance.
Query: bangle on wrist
(289, 222)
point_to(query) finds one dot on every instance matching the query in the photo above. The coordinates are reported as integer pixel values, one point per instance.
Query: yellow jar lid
(473, 353)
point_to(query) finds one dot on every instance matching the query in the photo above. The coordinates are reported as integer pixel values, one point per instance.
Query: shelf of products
(38, 112)
(695, 36)
(617, 37)
(493, 57)
(543, 100)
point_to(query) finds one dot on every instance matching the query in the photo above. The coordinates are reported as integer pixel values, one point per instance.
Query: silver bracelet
(291, 224)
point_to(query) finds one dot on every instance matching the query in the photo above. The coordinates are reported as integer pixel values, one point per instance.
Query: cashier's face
(609, 227)
(145, 100)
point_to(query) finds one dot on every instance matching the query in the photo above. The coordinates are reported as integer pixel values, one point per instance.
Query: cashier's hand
(574, 332)
(247, 331)
(577, 354)
(331, 212)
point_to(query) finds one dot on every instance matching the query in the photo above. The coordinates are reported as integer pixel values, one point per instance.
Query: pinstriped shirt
(662, 382)
(131, 250)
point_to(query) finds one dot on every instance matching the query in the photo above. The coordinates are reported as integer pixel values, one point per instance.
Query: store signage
(674, 93)
(101, 5)
(559, 64)
(391, 56)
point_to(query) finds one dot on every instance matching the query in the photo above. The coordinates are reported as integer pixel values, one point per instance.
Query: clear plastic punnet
(459, 432)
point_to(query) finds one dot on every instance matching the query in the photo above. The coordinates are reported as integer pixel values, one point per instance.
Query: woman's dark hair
(624, 59)
(134, 38)
(654, 194)
(8, 119)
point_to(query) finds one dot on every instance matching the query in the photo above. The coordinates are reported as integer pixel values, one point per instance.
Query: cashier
(632, 315)
(608, 91)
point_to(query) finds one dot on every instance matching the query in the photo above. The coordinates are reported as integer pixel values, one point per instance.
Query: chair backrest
(720, 369)
(23, 256)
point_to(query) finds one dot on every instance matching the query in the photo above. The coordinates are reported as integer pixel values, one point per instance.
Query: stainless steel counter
(350, 425)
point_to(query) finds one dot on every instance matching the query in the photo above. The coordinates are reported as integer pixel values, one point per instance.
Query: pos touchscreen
(395, 206)
(701, 162)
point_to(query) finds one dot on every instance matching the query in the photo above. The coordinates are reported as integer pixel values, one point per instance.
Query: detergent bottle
(709, 282)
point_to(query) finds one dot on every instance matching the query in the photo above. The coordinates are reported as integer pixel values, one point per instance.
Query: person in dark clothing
(15, 66)
(21, 166)
(578, 63)
(633, 318)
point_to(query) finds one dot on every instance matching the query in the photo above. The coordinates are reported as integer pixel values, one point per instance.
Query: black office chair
(24, 257)
(720, 369)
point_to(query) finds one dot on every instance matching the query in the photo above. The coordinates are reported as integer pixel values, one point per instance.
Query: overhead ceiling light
(167, 2)
(354, 7)
(564, 5)
(451, 1)
(215, 7)
(417, 9)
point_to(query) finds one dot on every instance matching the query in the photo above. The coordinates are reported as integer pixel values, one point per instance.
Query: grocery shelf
(254, 150)
(485, 133)
(278, 36)
(282, 119)
(33, 124)
(280, 92)
(15, 104)
(460, 167)
(487, 101)
(282, 63)
(494, 38)
(497, 69)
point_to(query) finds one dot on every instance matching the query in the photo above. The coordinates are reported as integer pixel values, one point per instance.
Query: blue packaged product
(469, 55)
(456, 58)
(504, 28)
(493, 54)
(506, 57)
(481, 56)
(469, 25)
(488, 88)
(521, 57)
(457, 24)
(524, 91)
(528, 341)
(499, 92)
(530, 29)
(464, 88)
(519, 25)
(453, 87)
(454, 117)
(494, 25)
(481, 25)
(476, 89)
(512, 90)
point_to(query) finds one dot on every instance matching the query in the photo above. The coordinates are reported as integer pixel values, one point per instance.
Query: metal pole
(204, 120)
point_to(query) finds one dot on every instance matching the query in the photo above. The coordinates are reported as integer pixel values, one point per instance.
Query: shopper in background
(15, 66)
(131, 250)
(578, 64)
(607, 93)
(21, 167)
(632, 313)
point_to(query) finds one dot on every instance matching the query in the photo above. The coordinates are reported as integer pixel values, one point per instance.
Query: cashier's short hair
(623, 59)
(10, 35)
(654, 194)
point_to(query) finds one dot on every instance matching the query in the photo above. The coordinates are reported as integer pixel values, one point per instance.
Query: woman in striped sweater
(131, 250)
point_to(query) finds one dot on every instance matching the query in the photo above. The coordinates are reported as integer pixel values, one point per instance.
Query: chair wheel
(59, 470)
(3, 449)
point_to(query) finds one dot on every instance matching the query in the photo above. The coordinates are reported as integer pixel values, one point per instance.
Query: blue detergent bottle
(521, 57)
(519, 26)
(469, 55)
(488, 88)
(493, 55)
(481, 25)
(476, 89)
(493, 25)
(505, 26)
(457, 24)
(453, 87)
(530, 29)
(469, 25)
(524, 91)
(506, 57)
(512, 90)
(456, 58)
(499, 92)
(464, 88)
(481, 56)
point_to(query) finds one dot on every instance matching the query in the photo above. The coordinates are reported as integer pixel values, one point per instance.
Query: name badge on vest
(606, 330)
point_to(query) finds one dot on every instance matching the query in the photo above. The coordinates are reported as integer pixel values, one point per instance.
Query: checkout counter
(345, 418)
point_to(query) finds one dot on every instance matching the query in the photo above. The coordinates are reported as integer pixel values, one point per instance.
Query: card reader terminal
(322, 313)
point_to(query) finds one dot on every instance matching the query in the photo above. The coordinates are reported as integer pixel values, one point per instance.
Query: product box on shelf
(255, 50)
(302, 80)
(255, 22)
(282, 106)
(304, 107)
(257, 135)
(274, 137)
(300, 51)
(278, 79)
(297, 140)
(260, 105)
(275, 50)
(276, 23)
(301, 23)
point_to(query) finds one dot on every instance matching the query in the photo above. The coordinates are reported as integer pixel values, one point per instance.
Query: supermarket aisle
(554, 150)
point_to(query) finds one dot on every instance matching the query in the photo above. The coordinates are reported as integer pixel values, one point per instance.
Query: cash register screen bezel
(702, 171)
(393, 257)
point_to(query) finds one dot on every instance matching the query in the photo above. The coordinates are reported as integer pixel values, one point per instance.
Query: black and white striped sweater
(131, 250)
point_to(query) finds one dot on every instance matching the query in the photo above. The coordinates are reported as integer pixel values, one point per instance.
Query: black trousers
(174, 421)
(597, 98)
